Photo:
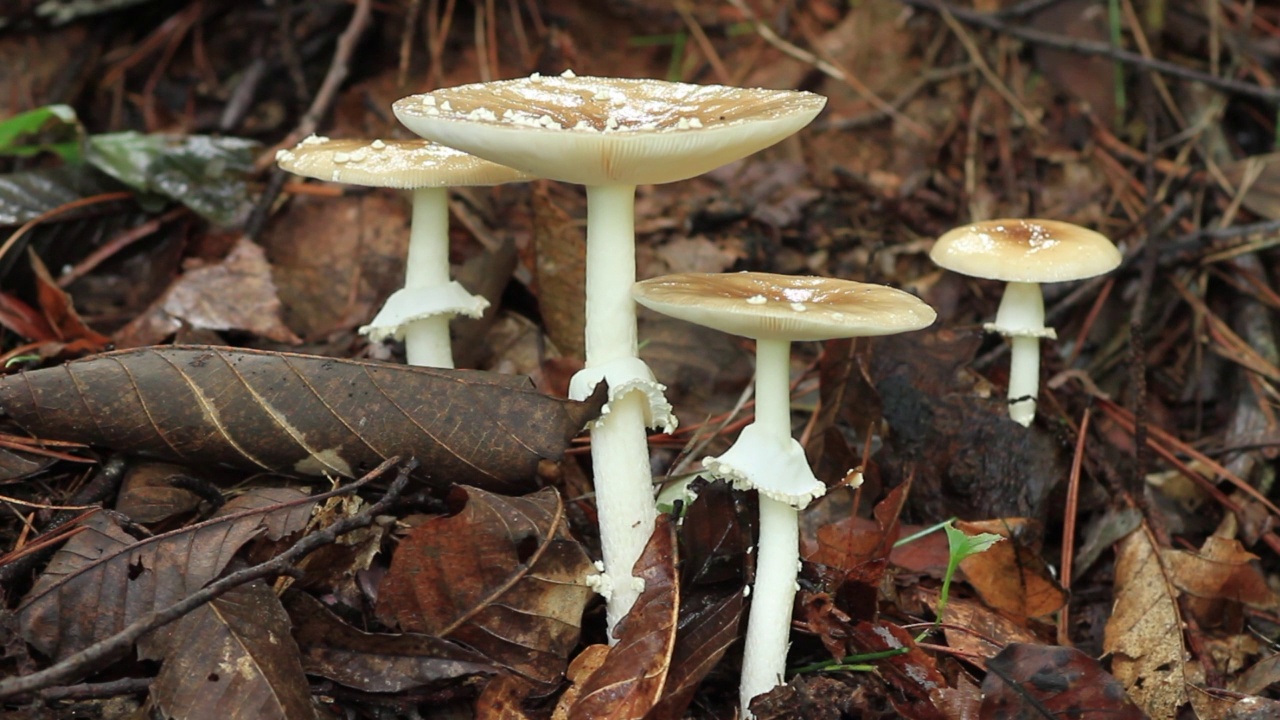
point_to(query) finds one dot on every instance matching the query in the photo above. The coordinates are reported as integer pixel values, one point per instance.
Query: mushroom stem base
(1024, 378)
(764, 659)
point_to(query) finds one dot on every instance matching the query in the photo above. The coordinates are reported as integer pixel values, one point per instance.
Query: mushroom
(418, 313)
(611, 135)
(1024, 253)
(776, 310)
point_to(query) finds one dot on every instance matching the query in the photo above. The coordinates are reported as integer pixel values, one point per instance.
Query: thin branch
(95, 656)
(1092, 47)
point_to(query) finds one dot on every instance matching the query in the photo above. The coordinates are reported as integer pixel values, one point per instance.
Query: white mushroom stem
(1021, 318)
(426, 341)
(764, 659)
(619, 443)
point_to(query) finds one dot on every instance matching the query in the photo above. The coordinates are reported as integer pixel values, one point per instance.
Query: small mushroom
(418, 313)
(1024, 253)
(776, 310)
(611, 135)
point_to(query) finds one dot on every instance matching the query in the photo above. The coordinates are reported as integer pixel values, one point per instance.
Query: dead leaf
(1144, 634)
(503, 698)
(1012, 576)
(709, 624)
(374, 662)
(298, 414)
(698, 254)
(1036, 681)
(148, 495)
(234, 294)
(102, 579)
(713, 540)
(54, 326)
(1222, 570)
(631, 679)
(584, 665)
(560, 269)
(986, 631)
(503, 576)
(236, 660)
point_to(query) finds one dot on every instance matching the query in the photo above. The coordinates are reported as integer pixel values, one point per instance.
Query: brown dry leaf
(1144, 634)
(374, 662)
(102, 579)
(631, 679)
(503, 698)
(236, 660)
(336, 260)
(561, 270)
(503, 576)
(1222, 570)
(148, 495)
(1011, 576)
(54, 324)
(713, 540)
(913, 674)
(709, 624)
(298, 413)
(1037, 681)
(1262, 175)
(988, 631)
(234, 294)
(699, 254)
(580, 671)
(1088, 79)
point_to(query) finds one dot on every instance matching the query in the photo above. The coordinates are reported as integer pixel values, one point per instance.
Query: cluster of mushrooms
(611, 135)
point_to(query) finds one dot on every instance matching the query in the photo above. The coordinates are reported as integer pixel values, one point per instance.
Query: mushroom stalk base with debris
(619, 443)
(773, 594)
(1021, 318)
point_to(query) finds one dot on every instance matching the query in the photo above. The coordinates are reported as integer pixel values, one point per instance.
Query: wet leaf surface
(298, 414)
(503, 577)
(236, 660)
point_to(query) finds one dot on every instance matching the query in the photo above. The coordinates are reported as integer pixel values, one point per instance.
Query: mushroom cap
(403, 164)
(766, 306)
(1025, 250)
(608, 131)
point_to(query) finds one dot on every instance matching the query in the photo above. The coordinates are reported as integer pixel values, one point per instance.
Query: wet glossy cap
(608, 131)
(1025, 250)
(766, 306)
(403, 164)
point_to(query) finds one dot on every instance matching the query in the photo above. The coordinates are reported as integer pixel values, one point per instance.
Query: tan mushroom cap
(608, 131)
(766, 306)
(1025, 250)
(405, 164)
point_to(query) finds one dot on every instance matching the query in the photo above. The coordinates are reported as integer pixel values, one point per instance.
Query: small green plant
(959, 547)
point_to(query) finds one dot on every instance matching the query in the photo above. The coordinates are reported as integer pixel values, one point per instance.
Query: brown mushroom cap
(608, 131)
(1025, 250)
(766, 306)
(405, 164)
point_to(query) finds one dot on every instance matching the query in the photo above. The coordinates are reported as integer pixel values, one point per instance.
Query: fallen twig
(93, 657)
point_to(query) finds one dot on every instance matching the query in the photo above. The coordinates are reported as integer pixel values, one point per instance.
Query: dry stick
(975, 56)
(827, 69)
(704, 43)
(1069, 529)
(92, 657)
(339, 67)
(1092, 47)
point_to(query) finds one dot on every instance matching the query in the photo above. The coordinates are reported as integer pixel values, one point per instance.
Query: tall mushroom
(419, 313)
(777, 310)
(611, 135)
(1024, 253)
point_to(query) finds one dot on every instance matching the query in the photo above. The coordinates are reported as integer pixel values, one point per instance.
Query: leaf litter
(140, 171)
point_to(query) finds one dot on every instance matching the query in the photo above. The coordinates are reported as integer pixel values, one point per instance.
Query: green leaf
(963, 546)
(207, 174)
(53, 128)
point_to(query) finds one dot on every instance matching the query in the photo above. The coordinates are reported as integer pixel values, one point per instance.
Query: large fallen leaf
(708, 626)
(503, 576)
(374, 662)
(631, 679)
(1012, 576)
(1222, 570)
(298, 413)
(236, 660)
(102, 579)
(1037, 681)
(1144, 634)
